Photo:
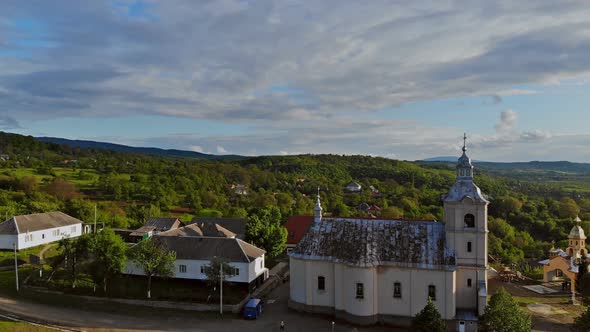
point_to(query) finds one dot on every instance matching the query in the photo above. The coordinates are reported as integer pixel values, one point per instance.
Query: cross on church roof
(464, 142)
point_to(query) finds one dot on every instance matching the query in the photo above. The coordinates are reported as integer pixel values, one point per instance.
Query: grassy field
(7, 257)
(7, 325)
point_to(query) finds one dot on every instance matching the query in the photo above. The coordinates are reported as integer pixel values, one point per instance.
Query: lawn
(7, 256)
(7, 325)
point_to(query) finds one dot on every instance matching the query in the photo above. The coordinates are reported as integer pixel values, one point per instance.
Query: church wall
(351, 304)
(466, 296)
(297, 280)
(320, 297)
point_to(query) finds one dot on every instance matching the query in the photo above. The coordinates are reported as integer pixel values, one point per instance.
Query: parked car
(253, 308)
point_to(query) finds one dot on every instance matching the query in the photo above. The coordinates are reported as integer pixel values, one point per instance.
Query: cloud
(221, 60)
(221, 149)
(496, 99)
(196, 148)
(508, 119)
(535, 135)
(7, 123)
(517, 92)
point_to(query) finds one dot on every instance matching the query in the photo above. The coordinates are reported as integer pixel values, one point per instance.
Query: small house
(26, 231)
(353, 187)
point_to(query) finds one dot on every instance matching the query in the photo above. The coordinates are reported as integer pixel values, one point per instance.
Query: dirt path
(44, 250)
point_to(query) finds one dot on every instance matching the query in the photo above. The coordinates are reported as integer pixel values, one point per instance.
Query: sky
(398, 79)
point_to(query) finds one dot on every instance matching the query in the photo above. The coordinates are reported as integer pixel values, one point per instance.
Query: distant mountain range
(555, 166)
(132, 149)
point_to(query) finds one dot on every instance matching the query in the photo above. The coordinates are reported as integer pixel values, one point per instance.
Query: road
(150, 320)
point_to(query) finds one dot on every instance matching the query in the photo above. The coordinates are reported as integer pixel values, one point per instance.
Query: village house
(296, 227)
(153, 226)
(32, 230)
(353, 187)
(235, 225)
(195, 246)
(375, 270)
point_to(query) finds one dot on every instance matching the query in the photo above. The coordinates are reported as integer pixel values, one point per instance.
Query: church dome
(464, 161)
(577, 231)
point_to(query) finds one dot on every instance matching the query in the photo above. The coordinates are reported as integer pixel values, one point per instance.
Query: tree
(568, 208)
(429, 319)
(582, 322)
(264, 229)
(504, 315)
(218, 269)
(392, 212)
(62, 189)
(154, 259)
(107, 251)
(73, 251)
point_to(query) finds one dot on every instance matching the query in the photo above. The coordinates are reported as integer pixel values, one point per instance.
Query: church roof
(577, 231)
(373, 242)
(465, 189)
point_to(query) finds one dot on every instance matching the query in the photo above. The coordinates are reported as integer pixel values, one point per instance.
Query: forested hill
(133, 149)
(527, 211)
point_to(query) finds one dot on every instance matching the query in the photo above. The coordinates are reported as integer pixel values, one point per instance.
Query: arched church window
(469, 220)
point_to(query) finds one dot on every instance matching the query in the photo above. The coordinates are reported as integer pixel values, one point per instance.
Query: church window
(469, 282)
(469, 220)
(469, 246)
(360, 290)
(432, 292)
(321, 283)
(397, 289)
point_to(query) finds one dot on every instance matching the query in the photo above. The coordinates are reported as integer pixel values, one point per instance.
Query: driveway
(148, 319)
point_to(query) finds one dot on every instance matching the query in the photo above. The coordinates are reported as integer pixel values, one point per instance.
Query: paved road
(85, 320)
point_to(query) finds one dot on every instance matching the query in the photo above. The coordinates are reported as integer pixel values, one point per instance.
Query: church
(369, 271)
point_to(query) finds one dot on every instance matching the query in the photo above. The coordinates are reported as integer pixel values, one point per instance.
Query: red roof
(297, 226)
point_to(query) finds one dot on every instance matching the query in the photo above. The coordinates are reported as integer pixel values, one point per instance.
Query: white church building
(369, 271)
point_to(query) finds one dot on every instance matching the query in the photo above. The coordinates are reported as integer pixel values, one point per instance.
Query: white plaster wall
(6, 241)
(466, 297)
(193, 270)
(40, 237)
(350, 277)
(320, 297)
(297, 280)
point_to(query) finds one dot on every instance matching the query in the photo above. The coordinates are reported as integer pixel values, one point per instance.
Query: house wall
(40, 237)
(248, 271)
(340, 289)
(6, 241)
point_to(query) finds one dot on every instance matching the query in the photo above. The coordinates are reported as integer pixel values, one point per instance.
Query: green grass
(7, 257)
(6, 325)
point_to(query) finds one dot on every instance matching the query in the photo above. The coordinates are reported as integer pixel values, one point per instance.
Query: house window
(469, 282)
(469, 220)
(469, 246)
(397, 289)
(360, 291)
(321, 283)
(202, 269)
(56, 232)
(236, 271)
(262, 264)
(42, 236)
(73, 229)
(182, 268)
(432, 292)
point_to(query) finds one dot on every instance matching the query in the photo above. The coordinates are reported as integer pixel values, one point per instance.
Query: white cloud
(221, 149)
(196, 148)
(508, 119)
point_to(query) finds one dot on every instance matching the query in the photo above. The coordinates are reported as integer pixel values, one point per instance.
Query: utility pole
(220, 287)
(15, 265)
(94, 218)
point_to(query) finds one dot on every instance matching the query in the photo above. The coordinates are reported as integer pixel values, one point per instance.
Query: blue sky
(383, 78)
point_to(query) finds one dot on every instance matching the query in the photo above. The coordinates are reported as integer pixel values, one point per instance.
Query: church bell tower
(466, 226)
